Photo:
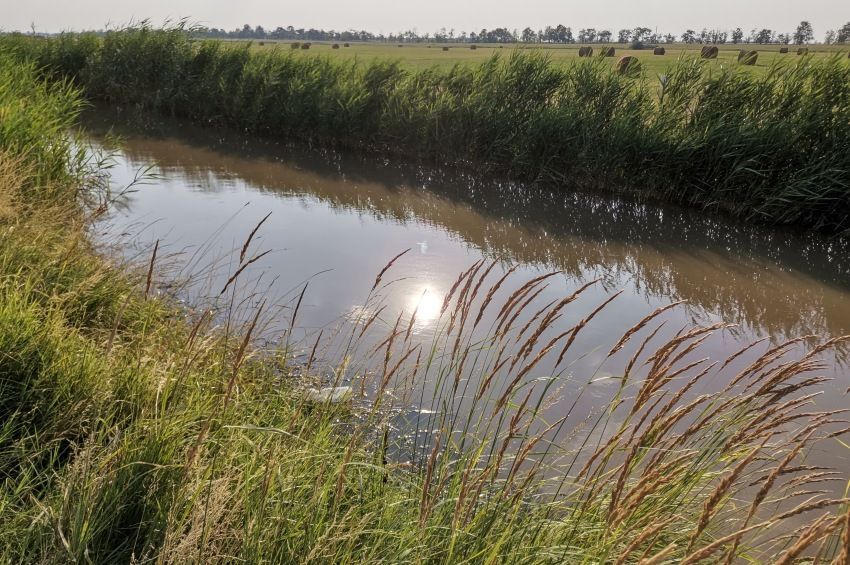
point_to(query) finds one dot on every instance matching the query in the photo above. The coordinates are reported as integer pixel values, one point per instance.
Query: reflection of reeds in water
(666, 252)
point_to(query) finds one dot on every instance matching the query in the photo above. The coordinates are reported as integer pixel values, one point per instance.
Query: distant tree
(624, 35)
(640, 33)
(737, 36)
(804, 34)
(763, 36)
(557, 34)
(528, 35)
(829, 38)
(605, 36)
(690, 36)
(669, 38)
(784, 38)
(587, 35)
(843, 34)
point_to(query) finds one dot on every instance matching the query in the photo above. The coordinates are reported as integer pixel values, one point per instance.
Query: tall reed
(771, 148)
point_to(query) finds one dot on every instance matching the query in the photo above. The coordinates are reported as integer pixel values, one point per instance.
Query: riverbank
(134, 430)
(770, 148)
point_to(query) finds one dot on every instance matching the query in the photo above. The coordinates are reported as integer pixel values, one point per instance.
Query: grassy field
(420, 56)
(135, 431)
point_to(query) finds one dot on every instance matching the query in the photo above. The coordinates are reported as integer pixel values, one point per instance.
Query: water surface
(337, 219)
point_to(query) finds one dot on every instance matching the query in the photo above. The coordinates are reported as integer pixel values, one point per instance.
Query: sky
(667, 16)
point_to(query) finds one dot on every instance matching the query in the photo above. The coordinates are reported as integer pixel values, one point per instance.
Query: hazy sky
(429, 15)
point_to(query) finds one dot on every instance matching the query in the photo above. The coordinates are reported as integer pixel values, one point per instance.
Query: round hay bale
(748, 57)
(445, 48)
(609, 52)
(783, 50)
(585, 51)
(295, 45)
(346, 45)
(628, 66)
(659, 51)
(473, 47)
(305, 46)
(335, 46)
(803, 51)
(400, 45)
(709, 52)
(262, 43)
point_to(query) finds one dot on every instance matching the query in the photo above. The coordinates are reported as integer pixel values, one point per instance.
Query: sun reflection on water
(426, 303)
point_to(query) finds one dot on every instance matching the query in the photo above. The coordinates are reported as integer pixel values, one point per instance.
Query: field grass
(423, 56)
(136, 431)
(770, 147)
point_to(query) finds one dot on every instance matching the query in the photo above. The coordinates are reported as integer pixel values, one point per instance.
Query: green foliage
(771, 148)
(135, 432)
(36, 116)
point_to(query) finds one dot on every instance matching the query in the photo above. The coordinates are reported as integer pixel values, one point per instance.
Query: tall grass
(133, 431)
(35, 120)
(771, 148)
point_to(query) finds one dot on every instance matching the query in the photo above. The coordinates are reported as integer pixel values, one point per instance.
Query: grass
(423, 56)
(771, 147)
(134, 431)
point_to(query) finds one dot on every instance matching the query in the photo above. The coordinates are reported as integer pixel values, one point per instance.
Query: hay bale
(659, 51)
(609, 52)
(262, 43)
(709, 52)
(400, 45)
(295, 45)
(628, 66)
(346, 45)
(803, 51)
(748, 57)
(585, 51)
(473, 47)
(335, 46)
(783, 50)
(445, 48)
(306, 46)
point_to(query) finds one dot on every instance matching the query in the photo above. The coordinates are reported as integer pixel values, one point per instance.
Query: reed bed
(136, 431)
(771, 148)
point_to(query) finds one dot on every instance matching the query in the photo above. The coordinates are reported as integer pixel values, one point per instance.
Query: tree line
(559, 34)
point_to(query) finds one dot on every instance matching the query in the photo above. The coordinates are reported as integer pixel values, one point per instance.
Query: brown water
(337, 219)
